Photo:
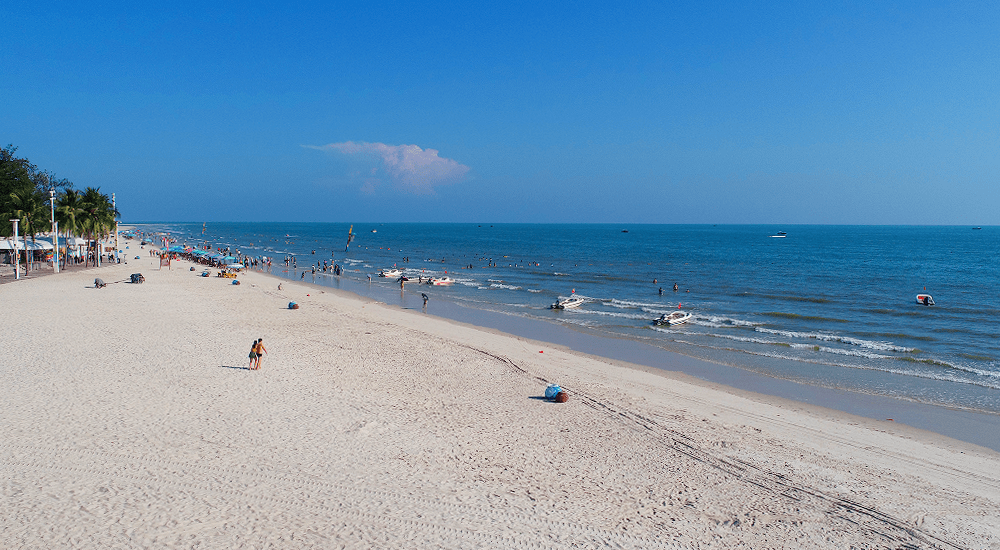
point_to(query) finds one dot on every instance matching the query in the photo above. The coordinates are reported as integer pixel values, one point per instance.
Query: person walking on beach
(253, 354)
(260, 351)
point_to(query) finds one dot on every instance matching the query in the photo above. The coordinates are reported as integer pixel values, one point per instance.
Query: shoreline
(979, 428)
(130, 416)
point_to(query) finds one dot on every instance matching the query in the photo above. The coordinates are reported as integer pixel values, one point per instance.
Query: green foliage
(24, 194)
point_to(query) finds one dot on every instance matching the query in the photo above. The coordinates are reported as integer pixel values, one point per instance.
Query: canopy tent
(38, 244)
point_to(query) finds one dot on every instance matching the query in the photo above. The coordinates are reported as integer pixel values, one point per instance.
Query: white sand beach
(128, 419)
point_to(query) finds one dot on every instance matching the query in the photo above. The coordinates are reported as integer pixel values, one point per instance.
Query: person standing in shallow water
(260, 350)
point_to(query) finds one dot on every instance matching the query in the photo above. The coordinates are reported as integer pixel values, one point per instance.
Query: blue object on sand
(293, 305)
(551, 391)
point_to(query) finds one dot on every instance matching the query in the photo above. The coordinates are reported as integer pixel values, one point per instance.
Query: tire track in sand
(892, 529)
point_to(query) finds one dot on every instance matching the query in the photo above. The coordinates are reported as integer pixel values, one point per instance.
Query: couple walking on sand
(256, 351)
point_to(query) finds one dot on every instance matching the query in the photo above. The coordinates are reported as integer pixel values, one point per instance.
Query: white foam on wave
(507, 287)
(628, 304)
(609, 314)
(667, 330)
(534, 290)
(870, 344)
(930, 375)
(842, 351)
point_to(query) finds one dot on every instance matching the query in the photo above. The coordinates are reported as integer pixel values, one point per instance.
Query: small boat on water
(393, 273)
(673, 319)
(568, 303)
(779, 235)
(440, 281)
(925, 299)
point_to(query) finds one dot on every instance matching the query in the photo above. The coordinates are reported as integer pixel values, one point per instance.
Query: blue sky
(693, 112)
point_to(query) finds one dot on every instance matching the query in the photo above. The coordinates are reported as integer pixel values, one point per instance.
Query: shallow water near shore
(825, 306)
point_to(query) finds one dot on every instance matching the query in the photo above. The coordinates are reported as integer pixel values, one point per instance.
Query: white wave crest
(508, 287)
(869, 344)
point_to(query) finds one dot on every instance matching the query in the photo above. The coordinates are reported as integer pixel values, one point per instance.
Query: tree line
(24, 195)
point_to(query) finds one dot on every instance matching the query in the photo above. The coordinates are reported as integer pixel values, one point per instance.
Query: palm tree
(70, 213)
(98, 214)
(29, 206)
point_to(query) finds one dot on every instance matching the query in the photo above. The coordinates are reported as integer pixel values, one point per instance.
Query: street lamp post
(115, 210)
(55, 232)
(17, 269)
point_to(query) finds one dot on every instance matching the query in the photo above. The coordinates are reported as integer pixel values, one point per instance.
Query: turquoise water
(832, 306)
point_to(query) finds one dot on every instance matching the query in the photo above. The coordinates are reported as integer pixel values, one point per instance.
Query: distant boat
(779, 235)
(441, 281)
(974, 228)
(391, 273)
(624, 230)
(374, 230)
(925, 299)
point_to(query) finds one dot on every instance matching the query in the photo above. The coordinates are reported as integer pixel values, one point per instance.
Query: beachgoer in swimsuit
(253, 354)
(260, 351)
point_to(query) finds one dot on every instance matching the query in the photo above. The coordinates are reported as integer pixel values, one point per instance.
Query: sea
(830, 306)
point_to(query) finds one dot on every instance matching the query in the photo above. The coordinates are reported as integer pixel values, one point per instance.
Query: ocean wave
(870, 344)
(842, 351)
(928, 375)
(614, 314)
(627, 304)
(535, 290)
(950, 365)
(508, 287)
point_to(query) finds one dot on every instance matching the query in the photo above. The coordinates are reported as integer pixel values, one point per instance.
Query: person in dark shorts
(260, 351)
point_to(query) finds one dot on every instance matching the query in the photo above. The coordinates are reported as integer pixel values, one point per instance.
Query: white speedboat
(441, 281)
(779, 235)
(925, 299)
(673, 319)
(392, 273)
(568, 303)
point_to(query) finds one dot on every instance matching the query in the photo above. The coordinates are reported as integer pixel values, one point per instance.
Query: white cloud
(411, 168)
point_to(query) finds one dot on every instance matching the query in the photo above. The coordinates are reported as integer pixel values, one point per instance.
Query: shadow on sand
(233, 367)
